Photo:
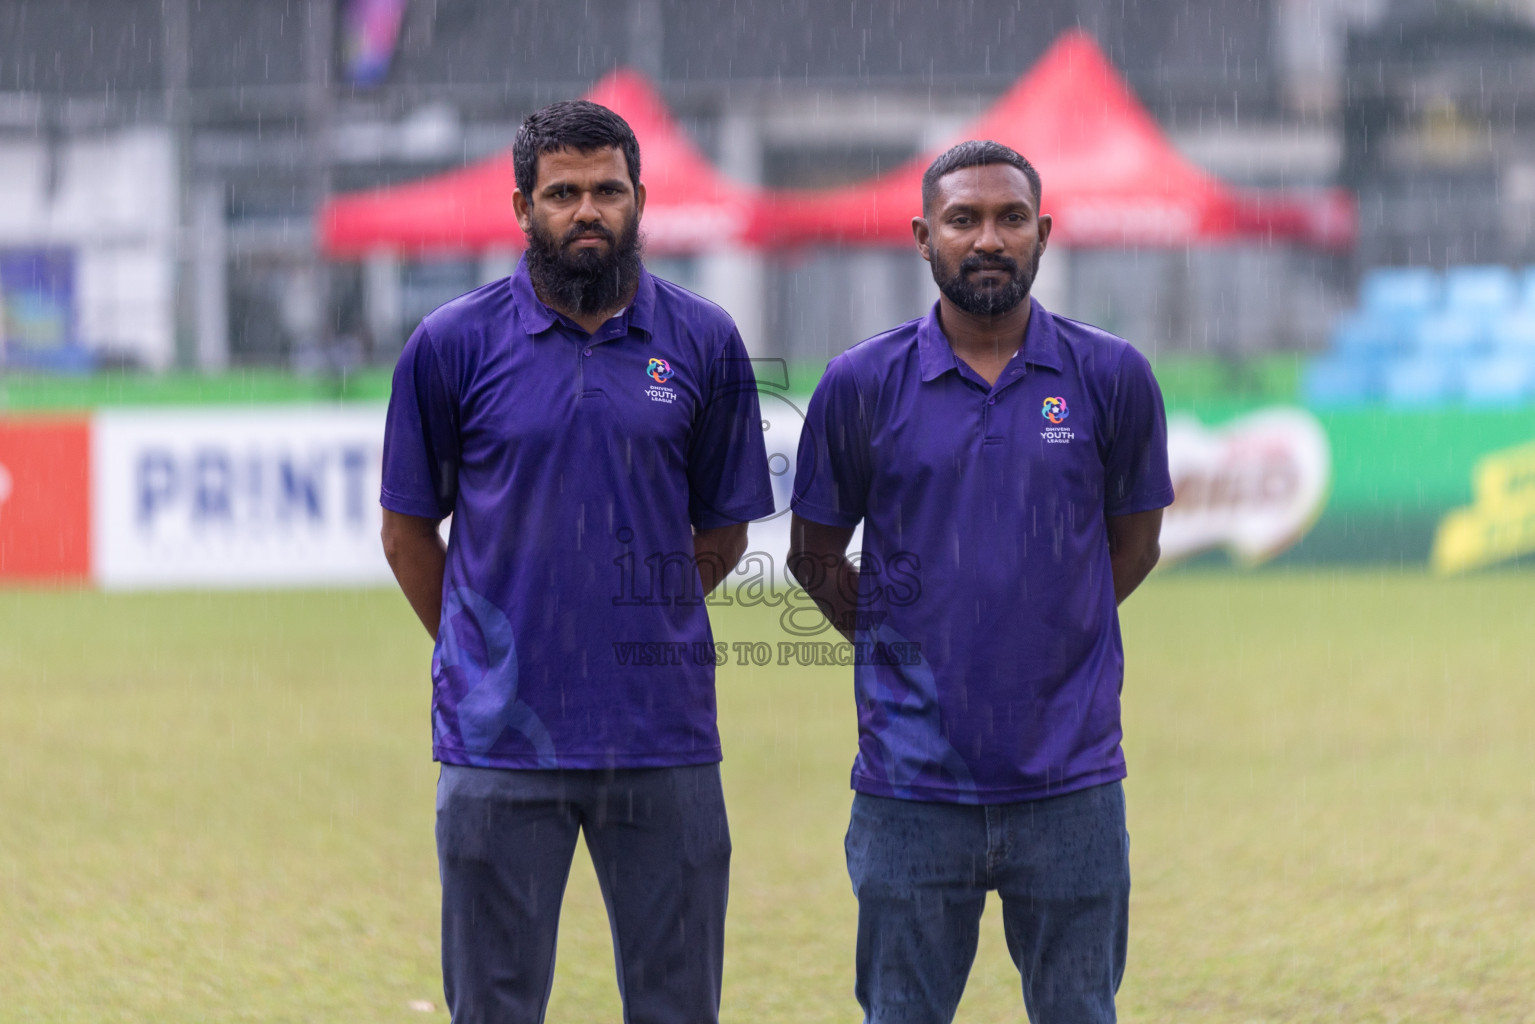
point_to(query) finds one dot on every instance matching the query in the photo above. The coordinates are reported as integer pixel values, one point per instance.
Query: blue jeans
(921, 872)
(661, 846)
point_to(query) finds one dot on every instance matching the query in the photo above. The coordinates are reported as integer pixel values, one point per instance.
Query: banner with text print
(287, 495)
(275, 496)
(45, 535)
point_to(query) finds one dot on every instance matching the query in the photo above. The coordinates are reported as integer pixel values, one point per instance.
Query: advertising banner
(45, 500)
(1253, 486)
(768, 539)
(1445, 486)
(1499, 526)
(369, 34)
(281, 496)
(288, 495)
(37, 298)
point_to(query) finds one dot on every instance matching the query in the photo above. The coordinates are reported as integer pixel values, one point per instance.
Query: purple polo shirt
(574, 633)
(988, 664)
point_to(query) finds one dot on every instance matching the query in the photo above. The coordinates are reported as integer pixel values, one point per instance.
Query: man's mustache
(974, 263)
(588, 231)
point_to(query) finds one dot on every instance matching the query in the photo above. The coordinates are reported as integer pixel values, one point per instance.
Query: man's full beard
(584, 281)
(981, 300)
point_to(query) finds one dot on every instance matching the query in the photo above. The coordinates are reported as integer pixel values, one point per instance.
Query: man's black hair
(974, 153)
(580, 125)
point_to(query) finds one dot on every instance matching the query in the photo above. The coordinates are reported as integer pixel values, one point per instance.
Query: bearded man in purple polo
(1015, 463)
(578, 416)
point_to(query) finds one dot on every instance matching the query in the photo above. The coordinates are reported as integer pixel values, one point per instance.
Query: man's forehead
(568, 162)
(985, 183)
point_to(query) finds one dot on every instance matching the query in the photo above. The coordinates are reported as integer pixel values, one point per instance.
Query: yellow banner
(1500, 524)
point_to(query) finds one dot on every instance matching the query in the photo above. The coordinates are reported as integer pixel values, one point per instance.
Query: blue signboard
(37, 298)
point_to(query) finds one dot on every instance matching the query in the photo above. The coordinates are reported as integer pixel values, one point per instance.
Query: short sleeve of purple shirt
(988, 661)
(421, 443)
(831, 479)
(574, 632)
(724, 467)
(1135, 474)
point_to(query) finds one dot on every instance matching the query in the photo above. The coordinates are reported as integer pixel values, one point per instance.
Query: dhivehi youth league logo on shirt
(1055, 411)
(660, 371)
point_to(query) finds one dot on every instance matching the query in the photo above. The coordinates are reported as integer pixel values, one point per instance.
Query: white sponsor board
(288, 496)
(278, 496)
(1254, 485)
(782, 418)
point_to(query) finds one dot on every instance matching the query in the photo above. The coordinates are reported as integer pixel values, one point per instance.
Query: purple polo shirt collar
(536, 317)
(936, 357)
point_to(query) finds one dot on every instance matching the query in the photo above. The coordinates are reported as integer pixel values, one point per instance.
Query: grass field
(218, 807)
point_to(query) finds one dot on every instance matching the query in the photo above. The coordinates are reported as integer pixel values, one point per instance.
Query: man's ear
(1046, 222)
(919, 231)
(639, 200)
(523, 210)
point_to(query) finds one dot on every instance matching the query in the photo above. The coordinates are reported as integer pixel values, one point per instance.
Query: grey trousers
(661, 846)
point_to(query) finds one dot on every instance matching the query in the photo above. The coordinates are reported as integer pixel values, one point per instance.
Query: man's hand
(818, 560)
(417, 555)
(716, 553)
(1133, 549)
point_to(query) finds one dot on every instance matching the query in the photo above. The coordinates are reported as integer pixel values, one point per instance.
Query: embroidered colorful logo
(660, 371)
(1055, 410)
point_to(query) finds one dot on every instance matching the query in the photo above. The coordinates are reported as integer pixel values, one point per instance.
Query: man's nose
(587, 213)
(990, 239)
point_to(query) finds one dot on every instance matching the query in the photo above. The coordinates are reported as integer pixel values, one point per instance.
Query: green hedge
(38, 393)
(1187, 381)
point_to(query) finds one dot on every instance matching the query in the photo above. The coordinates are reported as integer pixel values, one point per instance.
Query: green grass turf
(218, 807)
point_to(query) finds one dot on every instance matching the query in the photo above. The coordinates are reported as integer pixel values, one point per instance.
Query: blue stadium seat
(1395, 291)
(1422, 380)
(1527, 288)
(1484, 290)
(1361, 333)
(1452, 334)
(1515, 331)
(1504, 378)
(1342, 379)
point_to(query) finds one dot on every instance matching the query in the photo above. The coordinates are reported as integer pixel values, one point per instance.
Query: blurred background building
(161, 161)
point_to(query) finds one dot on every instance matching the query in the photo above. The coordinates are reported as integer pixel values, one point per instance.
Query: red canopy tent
(689, 206)
(1110, 178)
(1110, 175)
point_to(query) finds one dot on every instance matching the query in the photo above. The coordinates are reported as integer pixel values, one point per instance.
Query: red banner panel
(45, 500)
